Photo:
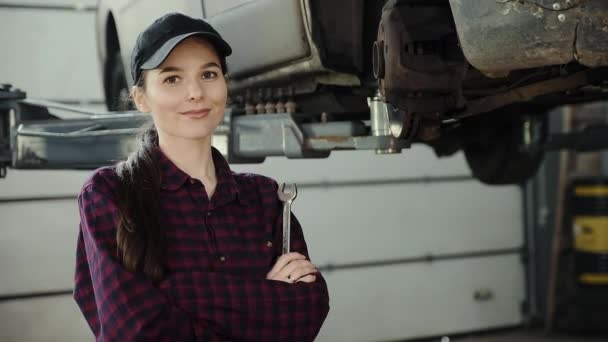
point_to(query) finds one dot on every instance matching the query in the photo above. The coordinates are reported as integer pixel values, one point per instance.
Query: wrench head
(287, 192)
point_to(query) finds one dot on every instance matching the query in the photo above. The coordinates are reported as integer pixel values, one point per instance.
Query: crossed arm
(186, 306)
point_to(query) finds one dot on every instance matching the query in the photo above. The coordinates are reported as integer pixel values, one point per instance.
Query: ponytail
(140, 238)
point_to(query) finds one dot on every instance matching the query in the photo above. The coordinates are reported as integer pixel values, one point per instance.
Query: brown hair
(140, 237)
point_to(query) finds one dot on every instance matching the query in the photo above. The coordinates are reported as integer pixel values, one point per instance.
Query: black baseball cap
(155, 43)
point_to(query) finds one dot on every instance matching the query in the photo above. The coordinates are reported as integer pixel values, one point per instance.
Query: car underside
(479, 76)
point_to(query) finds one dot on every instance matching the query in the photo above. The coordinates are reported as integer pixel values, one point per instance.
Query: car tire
(117, 98)
(504, 148)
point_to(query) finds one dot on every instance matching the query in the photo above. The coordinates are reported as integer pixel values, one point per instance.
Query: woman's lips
(196, 113)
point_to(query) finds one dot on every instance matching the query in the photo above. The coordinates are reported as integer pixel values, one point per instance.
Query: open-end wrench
(287, 192)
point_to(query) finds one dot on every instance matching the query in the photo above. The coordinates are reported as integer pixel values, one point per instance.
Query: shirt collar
(172, 178)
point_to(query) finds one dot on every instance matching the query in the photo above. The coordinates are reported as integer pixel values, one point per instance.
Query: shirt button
(269, 243)
(222, 258)
(209, 213)
(192, 181)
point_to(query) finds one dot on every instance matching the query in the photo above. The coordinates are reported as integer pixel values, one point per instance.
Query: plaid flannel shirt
(219, 252)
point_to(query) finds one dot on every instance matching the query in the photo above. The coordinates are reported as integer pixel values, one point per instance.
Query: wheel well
(112, 43)
(112, 46)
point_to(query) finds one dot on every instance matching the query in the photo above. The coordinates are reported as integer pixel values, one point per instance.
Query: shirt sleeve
(120, 305)
(254, 309)
(117, 304)
(258, 309)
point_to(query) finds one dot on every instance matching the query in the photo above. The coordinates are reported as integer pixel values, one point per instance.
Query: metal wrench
(287, 193)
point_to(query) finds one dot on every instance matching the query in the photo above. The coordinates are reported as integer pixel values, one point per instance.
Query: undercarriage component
(77, 143)
(43, 135)
(403, 124)
(380, 122)
(545, 33)
(416, 59)
(9, 98)
(505, 148)
(34, 136)
(590, 138)
(338, 37)
(531, 91)
(265, 135)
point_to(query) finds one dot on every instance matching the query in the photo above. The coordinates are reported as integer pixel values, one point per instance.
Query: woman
(174, 246)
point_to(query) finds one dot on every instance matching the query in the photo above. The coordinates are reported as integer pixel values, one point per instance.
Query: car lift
(33, 135)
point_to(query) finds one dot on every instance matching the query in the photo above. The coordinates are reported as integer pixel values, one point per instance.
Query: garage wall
(411, 246)
(406, 242)
(43, 53)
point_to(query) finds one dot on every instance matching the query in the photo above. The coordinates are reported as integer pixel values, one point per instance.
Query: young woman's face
(186, 95)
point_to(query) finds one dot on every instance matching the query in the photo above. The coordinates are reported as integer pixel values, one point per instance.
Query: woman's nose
(196, 90)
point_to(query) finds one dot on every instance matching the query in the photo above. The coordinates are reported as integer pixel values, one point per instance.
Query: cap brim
(223, 49)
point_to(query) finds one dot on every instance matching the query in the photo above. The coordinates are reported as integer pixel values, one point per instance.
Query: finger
(282, 261)
(289, 271)
(302, 272)
(285, 260)
(285, 273)
(295, 264)
(308, 279)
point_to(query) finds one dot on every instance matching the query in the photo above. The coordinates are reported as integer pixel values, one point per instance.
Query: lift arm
(46, 135)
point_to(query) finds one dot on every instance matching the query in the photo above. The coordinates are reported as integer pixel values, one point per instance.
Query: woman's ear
(139, 98)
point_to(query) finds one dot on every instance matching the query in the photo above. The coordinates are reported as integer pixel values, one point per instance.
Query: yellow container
(589, 208)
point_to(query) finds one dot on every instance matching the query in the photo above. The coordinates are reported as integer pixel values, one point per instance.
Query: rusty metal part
(529, 92)
(504, 35)
(417, 62)
(429, 130)
(591, 43)
(549, 5)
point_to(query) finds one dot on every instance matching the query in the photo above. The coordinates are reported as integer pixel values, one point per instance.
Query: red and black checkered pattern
(219, 252)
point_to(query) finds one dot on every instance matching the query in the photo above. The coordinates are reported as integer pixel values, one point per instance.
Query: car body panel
(269, 33)
(279, 46)
(507, 58)
(215, 7)
(498, 37)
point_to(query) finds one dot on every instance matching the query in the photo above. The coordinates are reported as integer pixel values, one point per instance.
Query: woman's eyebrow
(170, 69)
(210, 64)
(173, 68)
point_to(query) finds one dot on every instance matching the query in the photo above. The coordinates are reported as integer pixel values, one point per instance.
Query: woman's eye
(171, 79)
(209, 75)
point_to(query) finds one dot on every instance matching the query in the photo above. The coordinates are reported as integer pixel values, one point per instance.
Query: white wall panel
(54, 319)
(50, 54)
(36, 183)
(419, 300)
(395, 221)
(37, 246)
